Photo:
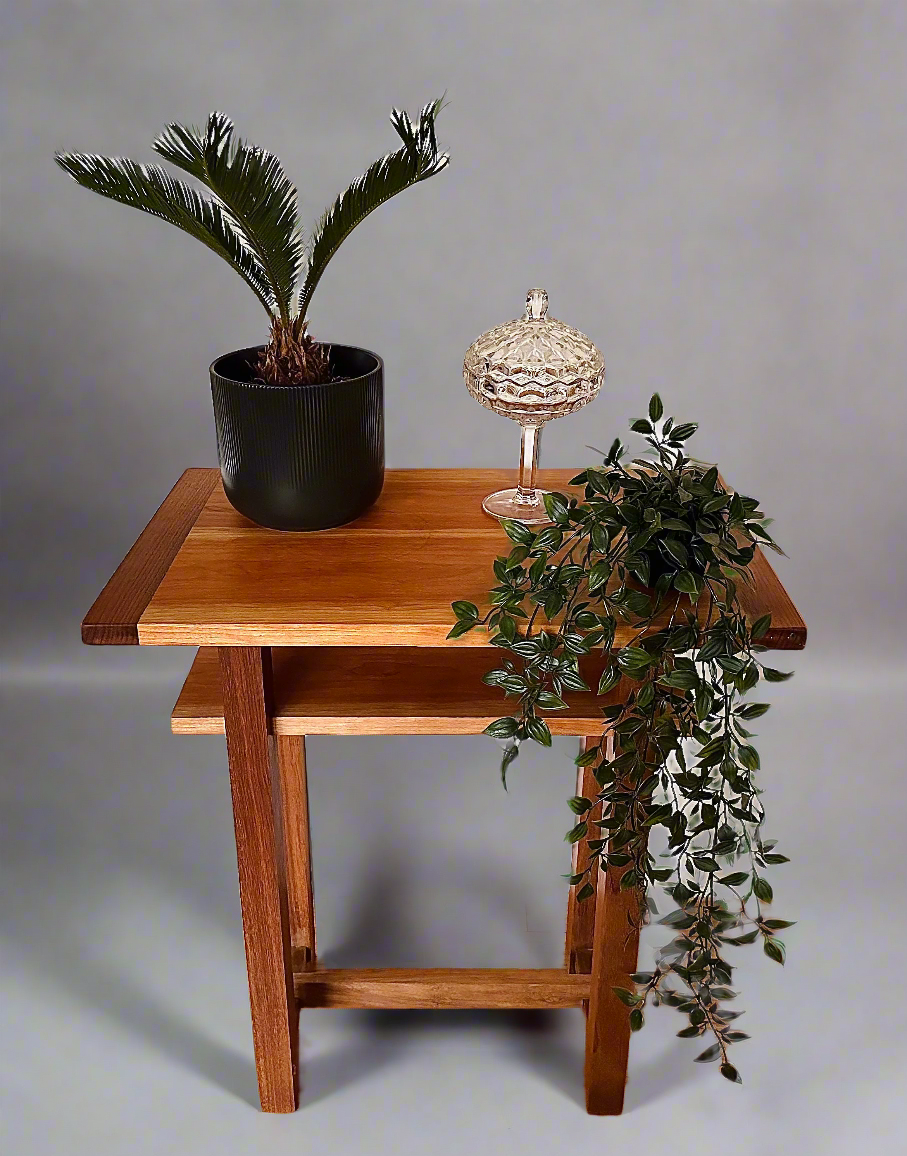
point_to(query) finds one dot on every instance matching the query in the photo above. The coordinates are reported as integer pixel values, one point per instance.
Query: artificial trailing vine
(638, 581)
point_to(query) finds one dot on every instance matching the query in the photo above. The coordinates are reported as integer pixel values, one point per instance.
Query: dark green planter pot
(302, 457)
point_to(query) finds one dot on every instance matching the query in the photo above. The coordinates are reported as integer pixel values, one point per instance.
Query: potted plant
(634, 587)
(300, 423)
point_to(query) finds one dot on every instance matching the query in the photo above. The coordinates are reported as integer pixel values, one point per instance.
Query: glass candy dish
(532, 370)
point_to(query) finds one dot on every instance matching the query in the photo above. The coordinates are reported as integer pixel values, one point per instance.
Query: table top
(201, 574)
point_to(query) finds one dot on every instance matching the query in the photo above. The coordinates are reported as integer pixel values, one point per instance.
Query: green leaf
(599, 481)
(705, 700)
(538, 731)
(556, 507)
(749, 757)
(549, 539)
(760, 626)
(576, 833)
(572, 680)
(634, 658)
(680, 679)
(680, 433)
(762, 889)
(708, 1055)
(517, 532)
(465, 611)
(743, 940)
(636, 1019)
(772, 675)
(255, 192)
(735, 879)
(641, 426)
(600, 539)
(579, 804)
(711, 648)
(774, 949)
(609, 679)
(778, 924)
(460, 628)
(510, 753)
(416, 161)
(585, 892)
(599, 575)
(549, 701)
(675, 550)
(537, 569)
(628, 998)
(526, 648)
(153, 190)
(553, 605)
(775, 859)
(678, 919)
(646, 695)
(750, 710)
(730, 1073)
(656, 409)
(502, 728)
(688, 582)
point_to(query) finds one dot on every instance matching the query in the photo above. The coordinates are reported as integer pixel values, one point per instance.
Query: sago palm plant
(252, 220)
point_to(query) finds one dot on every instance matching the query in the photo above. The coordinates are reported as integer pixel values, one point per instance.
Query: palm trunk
(293, 360)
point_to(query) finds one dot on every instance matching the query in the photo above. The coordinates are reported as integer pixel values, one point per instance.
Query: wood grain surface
(387, 579)
(615, 950)
(113, 618)
(388, 690)
(255, 782)
(298, 843)
(581, 916)
(441, 988)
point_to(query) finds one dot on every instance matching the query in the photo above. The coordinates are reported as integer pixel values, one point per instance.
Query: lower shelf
(344, 690)
(440, 987)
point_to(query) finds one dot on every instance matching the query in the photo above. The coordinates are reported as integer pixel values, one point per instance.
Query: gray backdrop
(714, 191)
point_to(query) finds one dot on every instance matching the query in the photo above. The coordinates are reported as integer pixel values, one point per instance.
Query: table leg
(258, 804)
(581, 916)
(615, 948)
(298, 838)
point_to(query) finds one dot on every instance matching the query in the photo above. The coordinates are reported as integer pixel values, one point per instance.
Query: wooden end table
(344, 632)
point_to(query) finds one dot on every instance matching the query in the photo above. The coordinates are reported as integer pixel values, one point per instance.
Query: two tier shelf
(344, 632)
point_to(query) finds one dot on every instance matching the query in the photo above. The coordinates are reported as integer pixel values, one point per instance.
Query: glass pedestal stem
(529, 460)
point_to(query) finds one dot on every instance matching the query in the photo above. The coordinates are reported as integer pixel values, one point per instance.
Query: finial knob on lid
(536, 304)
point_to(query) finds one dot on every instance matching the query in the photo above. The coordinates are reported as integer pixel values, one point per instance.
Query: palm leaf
(416, 161)
(154, 191)
(254, 190)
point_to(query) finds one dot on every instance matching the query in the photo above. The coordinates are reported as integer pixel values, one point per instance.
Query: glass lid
(535, 367)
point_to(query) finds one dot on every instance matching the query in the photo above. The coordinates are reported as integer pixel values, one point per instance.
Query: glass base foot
(526, 506)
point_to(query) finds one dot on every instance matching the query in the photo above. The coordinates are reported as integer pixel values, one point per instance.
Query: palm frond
(151, 189)
(254, 190)
(416, 161)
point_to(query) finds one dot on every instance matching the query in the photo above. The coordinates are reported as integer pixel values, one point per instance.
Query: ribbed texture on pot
(301, 457)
